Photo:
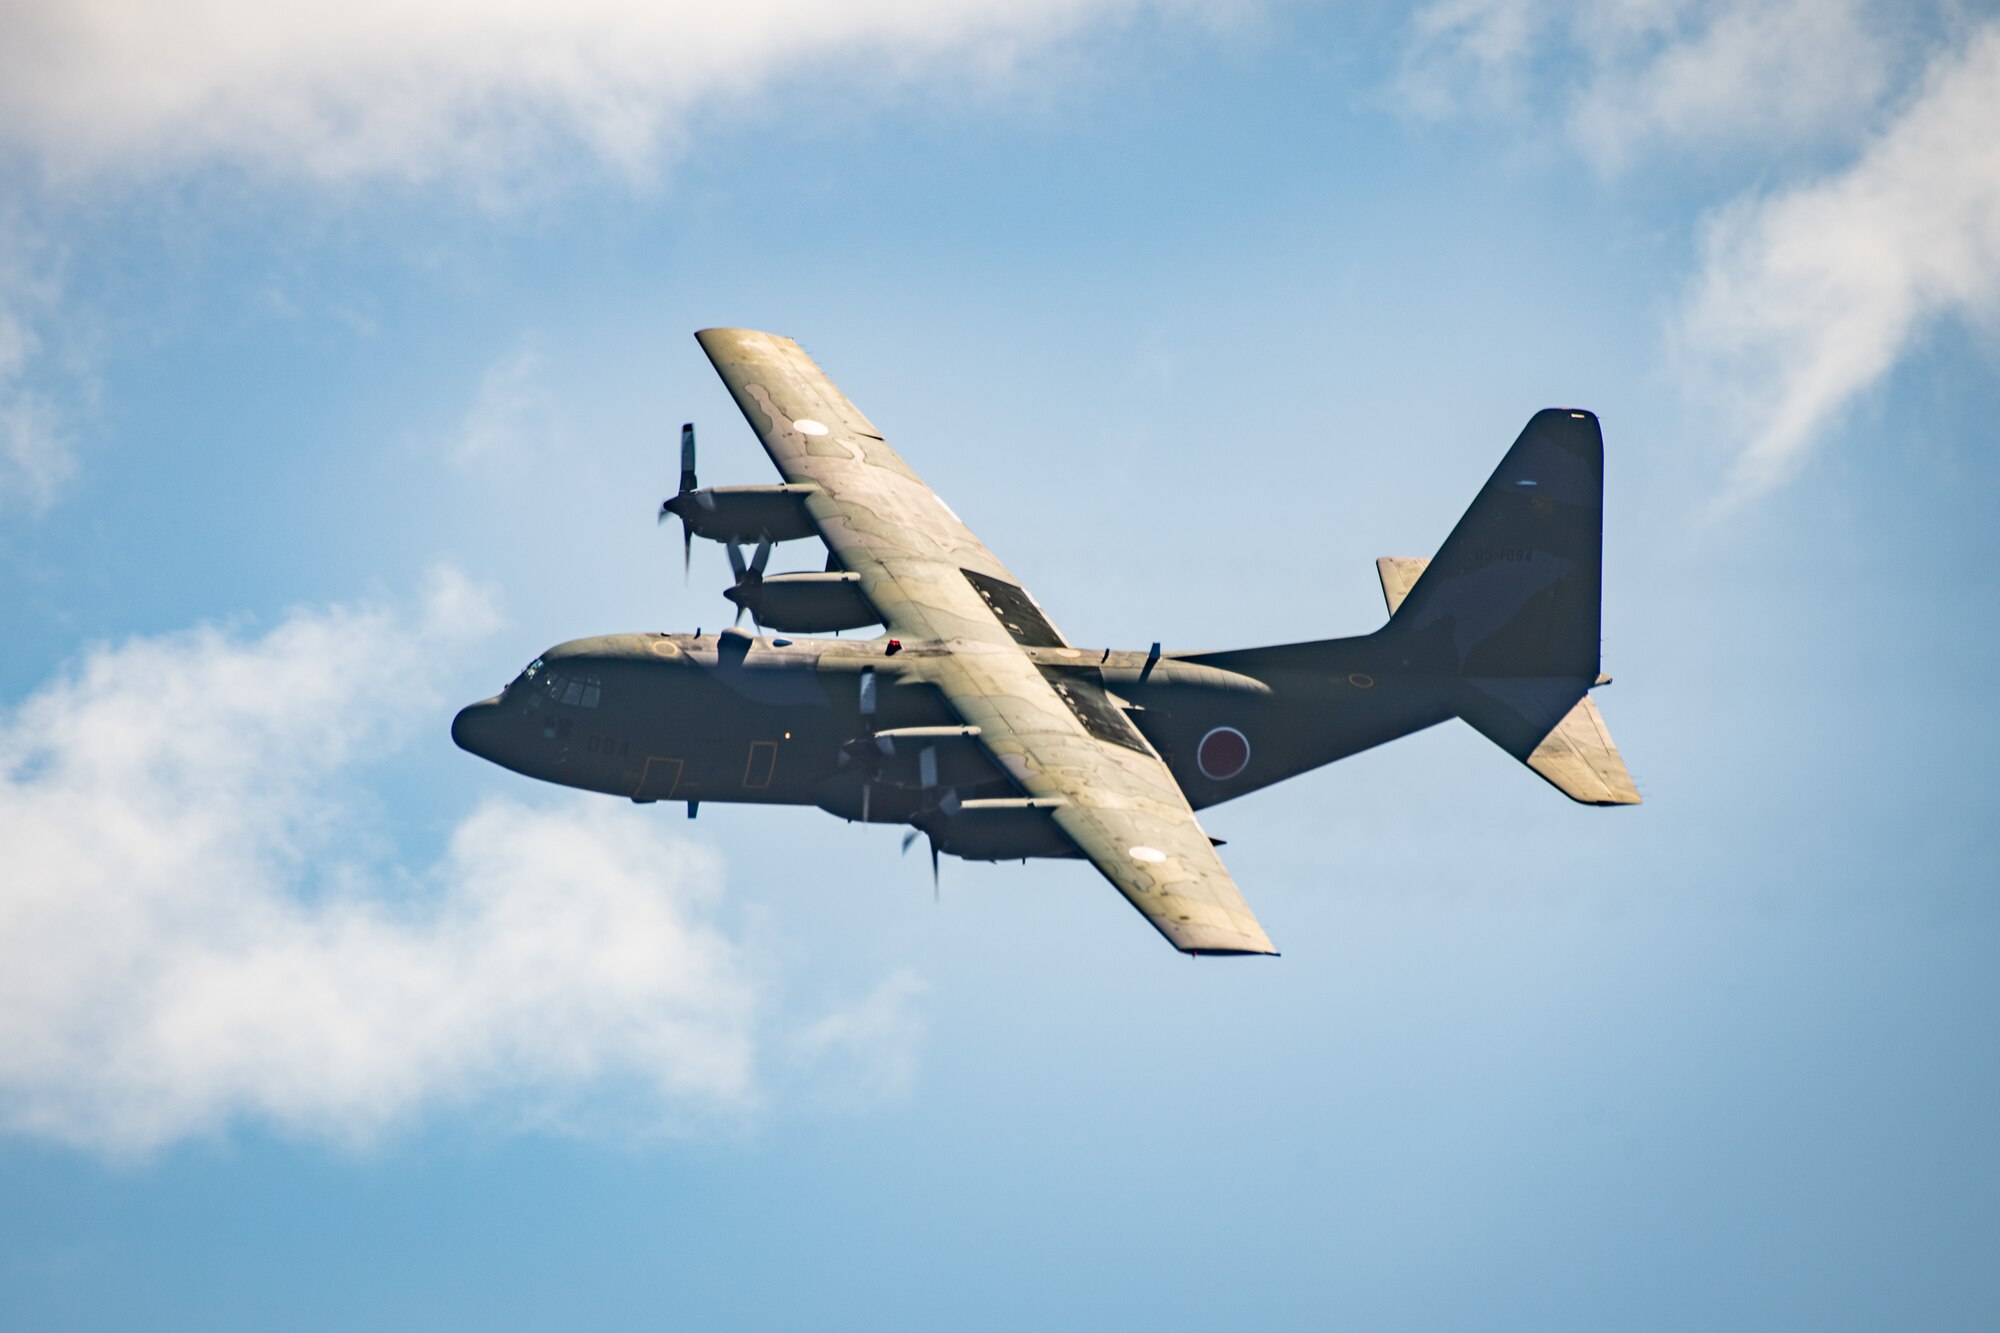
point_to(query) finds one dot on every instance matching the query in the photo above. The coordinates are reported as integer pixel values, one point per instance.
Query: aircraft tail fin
(1514, 589)
(1510, 606)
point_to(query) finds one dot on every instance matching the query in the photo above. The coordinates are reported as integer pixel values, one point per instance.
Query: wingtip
(1232, 953)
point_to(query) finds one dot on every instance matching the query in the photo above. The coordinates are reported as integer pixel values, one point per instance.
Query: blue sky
(341, 360)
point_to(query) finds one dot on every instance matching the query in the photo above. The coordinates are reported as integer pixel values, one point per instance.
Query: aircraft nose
(477, 726)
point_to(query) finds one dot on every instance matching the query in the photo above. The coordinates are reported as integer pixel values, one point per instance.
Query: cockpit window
(534, 669)
(574, 691)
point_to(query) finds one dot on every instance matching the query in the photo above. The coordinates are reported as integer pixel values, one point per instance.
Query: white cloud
(1777, 72)
(1625, 79)
(36, 457)
(36, 451)
(511, 412)
(1468, 54)
(866, 1052)
(384, 88)
(1807, 296)
(193, 933)
(506, 96)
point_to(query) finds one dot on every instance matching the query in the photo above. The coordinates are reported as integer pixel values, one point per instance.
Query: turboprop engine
(802, 603)
(733, 513)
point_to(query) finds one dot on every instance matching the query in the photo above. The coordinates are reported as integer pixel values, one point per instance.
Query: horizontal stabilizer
(1399, 574)
(1579, 759)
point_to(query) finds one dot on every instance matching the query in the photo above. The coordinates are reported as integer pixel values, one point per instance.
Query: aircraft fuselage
(791, 721)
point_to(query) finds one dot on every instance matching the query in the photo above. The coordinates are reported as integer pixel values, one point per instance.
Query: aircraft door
(763, 758)
(659, 779)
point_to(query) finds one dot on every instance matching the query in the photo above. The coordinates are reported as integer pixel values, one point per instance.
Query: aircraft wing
(1053, 729)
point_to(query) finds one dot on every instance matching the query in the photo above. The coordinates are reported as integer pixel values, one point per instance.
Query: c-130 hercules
(974, 721)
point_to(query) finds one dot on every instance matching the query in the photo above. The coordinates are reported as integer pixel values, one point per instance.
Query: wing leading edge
(930, 578)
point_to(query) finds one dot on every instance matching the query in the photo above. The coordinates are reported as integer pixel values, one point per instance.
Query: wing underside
(1059, 736)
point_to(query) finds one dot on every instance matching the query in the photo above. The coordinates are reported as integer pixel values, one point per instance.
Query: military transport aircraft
(972, 719)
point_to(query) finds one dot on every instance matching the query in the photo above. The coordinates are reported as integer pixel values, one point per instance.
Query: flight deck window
(572, 691)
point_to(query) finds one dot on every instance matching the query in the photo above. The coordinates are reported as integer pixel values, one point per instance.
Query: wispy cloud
(511, 412)
(377, 88)
(1761, 75)
(36, 448)
(1806, 293)
(1469, 55)
(1808, 296)
(193, 933)
(1619, 81)
(864, 1053)
(495, 100)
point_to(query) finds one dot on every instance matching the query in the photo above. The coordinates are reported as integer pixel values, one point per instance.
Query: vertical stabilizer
(1514, 590)
(1510, 606)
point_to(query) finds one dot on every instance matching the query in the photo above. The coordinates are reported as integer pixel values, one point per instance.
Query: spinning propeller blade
(748, 576)
(676, 507)
(911, 837)
(867, 705)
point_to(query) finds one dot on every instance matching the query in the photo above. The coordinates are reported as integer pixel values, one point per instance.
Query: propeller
(927, 781)
(748, 576)
(911, 837)
(689, 493)
(866, 744)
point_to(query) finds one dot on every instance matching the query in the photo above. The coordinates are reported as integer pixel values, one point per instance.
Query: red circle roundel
(1223, 753)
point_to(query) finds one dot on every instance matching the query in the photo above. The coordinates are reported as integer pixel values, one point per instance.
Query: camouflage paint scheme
(978, 723)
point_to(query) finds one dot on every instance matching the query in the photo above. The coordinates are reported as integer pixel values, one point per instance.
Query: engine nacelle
(805, 603)
(745, 514)
(1003, 829)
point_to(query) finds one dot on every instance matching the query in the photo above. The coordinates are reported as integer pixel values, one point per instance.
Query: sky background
(342, 356)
